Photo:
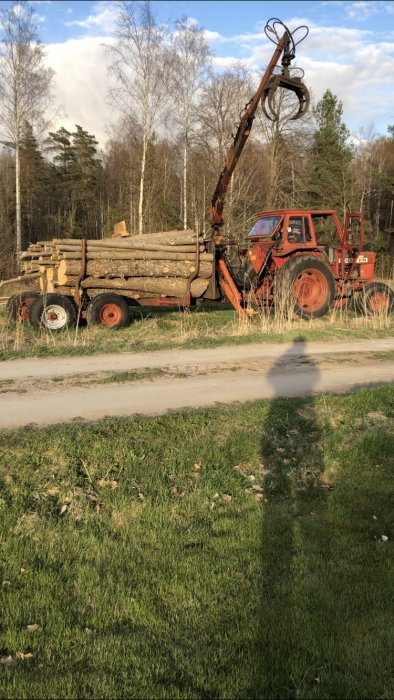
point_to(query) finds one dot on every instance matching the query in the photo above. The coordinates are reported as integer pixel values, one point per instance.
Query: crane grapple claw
(287, 83)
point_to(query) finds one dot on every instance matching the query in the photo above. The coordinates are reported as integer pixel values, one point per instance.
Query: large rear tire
(108, 310)
(305, 286)
(53, 312)
(17, 308)
(376, 298)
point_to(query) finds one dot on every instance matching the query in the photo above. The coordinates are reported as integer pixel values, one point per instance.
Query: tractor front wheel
(109, 310)
(306, 287)
(376, 298)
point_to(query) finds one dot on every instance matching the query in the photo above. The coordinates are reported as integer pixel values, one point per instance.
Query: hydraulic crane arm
(268, 86)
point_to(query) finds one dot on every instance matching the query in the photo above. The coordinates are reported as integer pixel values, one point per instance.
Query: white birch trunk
(142, 184)
(18, 233)
(185, 185)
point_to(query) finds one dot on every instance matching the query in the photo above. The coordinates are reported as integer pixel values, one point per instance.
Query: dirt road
(54, 390)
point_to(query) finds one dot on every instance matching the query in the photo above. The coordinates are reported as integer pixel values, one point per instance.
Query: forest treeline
(159, 167)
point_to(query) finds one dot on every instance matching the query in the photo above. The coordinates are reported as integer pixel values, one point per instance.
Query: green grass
(159, 329)
(235, 552)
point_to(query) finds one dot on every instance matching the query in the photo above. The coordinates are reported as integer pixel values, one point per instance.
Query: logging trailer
(293, 258)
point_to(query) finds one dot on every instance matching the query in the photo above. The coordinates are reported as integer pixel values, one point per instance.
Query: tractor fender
(282, 259)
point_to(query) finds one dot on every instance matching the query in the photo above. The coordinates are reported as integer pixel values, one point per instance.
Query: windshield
(265, 226)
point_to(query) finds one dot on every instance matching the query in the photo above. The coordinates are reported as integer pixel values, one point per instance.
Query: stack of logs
(154, 264)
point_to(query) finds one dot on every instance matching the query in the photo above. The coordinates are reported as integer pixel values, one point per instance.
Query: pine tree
(34, 187)
(59, 144)
(76, 170)
(85, 171)
(330, 178)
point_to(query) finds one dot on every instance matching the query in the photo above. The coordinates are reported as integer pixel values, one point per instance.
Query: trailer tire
(53, 312)
(305, 286)
(17, 308)
(376, 298)
(108, 310)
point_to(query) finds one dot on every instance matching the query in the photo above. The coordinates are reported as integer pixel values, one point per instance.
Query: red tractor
(303, 258)
(296, 257)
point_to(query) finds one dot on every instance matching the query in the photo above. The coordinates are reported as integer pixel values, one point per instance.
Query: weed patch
(157, 329)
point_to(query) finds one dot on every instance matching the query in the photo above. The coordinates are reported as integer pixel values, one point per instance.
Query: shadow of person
(291, 429)
(292, 463)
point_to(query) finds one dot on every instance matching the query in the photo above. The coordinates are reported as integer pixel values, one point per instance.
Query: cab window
(298, 230)
(265, 226)
(325, 229)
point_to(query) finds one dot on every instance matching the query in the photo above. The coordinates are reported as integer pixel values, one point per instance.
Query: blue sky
(350, 49)
(227, 17)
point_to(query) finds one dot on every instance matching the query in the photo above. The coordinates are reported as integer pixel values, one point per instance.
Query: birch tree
(139, 66)
(221, 105)
(189, 67)
(25, 87)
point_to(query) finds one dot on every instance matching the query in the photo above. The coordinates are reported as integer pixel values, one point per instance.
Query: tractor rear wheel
(306, 287)
(17, 308)
(53, 312)
(376, 298)
(109, 310)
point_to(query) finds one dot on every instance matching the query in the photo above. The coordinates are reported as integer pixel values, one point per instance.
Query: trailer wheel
(307, 286)
(17, 308)
(52, 312)
(109, 310)
(376, 298)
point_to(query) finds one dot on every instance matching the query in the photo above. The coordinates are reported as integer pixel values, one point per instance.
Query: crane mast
(266, 90)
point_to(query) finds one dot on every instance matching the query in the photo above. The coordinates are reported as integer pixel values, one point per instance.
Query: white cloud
(81, 84)
(102, 18)
(213, 36)
(353, 64)
(225, 61)
(362, 10)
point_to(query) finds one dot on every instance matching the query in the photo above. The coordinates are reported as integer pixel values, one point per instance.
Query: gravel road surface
(55, 390)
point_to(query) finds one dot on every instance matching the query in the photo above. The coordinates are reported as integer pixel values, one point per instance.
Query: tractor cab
(288, 232)
(281, 233)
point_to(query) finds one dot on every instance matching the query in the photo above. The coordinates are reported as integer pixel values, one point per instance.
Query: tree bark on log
(133, 268)
(140, 255)
(129, 293)
(162, 237)
(172, 287)
(122, 244)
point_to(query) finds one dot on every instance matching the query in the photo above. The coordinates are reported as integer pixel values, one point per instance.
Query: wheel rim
(110, 315)
(23, 311)
(378, 302)
(311, 290)
(54, 317)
